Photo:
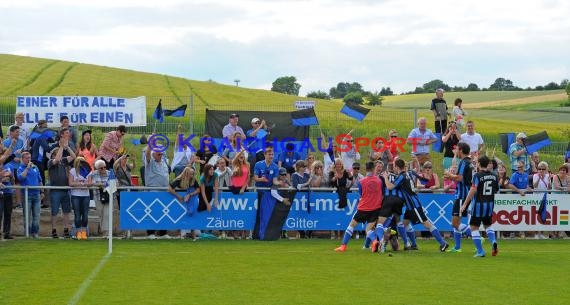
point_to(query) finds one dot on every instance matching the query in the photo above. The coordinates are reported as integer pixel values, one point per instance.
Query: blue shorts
(59, 198)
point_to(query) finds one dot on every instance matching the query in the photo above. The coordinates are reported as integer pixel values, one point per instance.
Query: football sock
(476, 236)
(347, 235)
(457, 238)
(370, 236)
(402, 233)
(411, 233)
(491, 235)
(465, 229)
(379, 231)
(435, 232)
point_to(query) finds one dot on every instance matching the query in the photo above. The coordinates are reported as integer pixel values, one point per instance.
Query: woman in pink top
(240, 176)
(87, 149)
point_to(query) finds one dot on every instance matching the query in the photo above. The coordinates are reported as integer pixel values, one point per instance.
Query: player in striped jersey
(485, 186)
(414, 210)
(368, 209)
(463, 178)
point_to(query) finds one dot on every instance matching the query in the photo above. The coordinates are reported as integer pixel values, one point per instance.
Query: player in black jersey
(483, 189)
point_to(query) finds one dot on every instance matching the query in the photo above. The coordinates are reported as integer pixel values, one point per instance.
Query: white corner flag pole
(111, 188)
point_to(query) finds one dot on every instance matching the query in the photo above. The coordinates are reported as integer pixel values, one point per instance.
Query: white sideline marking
(87, 282)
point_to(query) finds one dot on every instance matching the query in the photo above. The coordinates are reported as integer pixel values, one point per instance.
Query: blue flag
(304, 117)
(542, 209)
(158, 114)
(537, 141)
(178, 112)
(355, 111)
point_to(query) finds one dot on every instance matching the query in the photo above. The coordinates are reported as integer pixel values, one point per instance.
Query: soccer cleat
(453, 250)
(482, 254)
(444, 247)
(374, 247)
(342, 248)
(495, 249)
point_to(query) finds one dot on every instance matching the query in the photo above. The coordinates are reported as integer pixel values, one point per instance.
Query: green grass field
(282, 272)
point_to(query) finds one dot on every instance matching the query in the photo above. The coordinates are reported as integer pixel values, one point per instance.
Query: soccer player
(463, 179)
(368, 209)
(485, 186)
(414, 210)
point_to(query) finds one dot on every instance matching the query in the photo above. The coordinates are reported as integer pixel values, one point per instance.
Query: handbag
(103, 196)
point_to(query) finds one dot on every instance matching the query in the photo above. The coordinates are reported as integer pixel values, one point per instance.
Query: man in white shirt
(232, 127)
(473, 139)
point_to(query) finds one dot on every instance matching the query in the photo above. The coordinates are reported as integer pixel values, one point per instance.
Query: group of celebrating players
(385, 198)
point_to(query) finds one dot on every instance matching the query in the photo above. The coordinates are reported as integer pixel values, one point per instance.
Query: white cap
(99, 164)
(255, 120)
(521, 135)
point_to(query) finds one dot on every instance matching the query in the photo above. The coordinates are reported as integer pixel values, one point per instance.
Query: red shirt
(370, 193)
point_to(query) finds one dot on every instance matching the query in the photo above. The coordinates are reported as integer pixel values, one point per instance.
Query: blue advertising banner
(161, 211)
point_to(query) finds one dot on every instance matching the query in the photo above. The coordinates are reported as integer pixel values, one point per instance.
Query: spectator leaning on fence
(421, 138)
(58, 173)
(14, 164)
(79, 181)
(100, 176)
(156, 175)
(519, 179)
(439, 108)
(518, 153)
(561, 181)
(6, 199)
(29, 175)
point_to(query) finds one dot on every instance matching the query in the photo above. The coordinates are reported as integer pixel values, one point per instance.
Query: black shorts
(416, 216)
(476, 221)
(391, 205)
(366, 216)
(457, 207)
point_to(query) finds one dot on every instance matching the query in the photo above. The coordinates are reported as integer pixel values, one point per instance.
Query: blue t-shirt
(19, 145)
(519, 180)
(33, 178)
(288, 159)
(261, 169)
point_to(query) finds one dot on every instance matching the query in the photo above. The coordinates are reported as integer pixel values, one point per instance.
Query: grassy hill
(494, 112)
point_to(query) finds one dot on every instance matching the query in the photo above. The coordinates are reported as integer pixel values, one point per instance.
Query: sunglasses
(395, 136)
(356, 168)
(427, 167)
(542, 169)
(256, 123)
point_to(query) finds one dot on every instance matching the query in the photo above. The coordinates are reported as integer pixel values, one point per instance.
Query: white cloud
(401, 44)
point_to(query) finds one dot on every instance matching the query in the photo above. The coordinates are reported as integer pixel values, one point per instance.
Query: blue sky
(401, 44)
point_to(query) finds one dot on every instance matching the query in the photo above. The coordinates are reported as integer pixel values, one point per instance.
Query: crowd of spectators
(84, 168)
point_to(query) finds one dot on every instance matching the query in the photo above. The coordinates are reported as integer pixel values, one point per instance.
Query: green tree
(386, 91)
(343, 88)
(472, 87)
(287, 85)
(502, 84)
(435, 84)
(353, 97)
(375, 98)
(551, 86)
(319, 94)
